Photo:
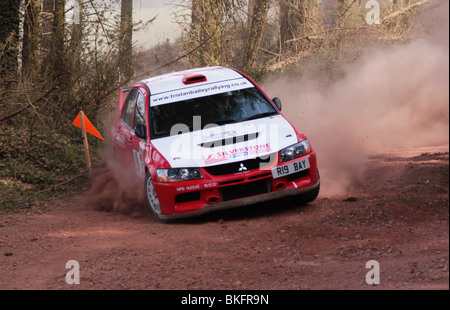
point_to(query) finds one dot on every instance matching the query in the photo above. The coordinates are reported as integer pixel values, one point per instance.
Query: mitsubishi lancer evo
(209, 139)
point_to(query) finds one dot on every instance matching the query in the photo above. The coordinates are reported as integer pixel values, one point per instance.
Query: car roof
(177, 80)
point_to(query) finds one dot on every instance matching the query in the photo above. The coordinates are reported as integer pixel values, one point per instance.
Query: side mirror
(277, 102)
(140, 131)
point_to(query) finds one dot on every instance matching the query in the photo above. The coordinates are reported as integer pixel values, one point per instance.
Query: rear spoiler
(121, 97)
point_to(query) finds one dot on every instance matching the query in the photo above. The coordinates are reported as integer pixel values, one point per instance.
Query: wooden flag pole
(85, 141)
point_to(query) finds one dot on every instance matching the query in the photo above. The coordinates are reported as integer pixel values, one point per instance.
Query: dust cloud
(113, 186)
(391, 98)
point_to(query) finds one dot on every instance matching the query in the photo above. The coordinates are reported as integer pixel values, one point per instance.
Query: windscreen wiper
(225, 121)
(261, 115)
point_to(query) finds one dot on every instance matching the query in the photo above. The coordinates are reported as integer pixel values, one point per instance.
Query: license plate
(290, 168)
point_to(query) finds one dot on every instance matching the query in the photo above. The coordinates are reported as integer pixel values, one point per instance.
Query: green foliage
(34, 159)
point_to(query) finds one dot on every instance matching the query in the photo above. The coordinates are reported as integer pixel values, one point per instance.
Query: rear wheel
(152, 197)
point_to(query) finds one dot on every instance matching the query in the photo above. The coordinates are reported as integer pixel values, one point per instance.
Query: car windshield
(221, 109)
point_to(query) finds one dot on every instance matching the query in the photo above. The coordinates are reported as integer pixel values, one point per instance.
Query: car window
(128, 110)
(139, 112)
(220, 109)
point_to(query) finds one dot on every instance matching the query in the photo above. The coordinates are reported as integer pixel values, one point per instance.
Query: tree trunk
(46, 24)
(9, 37)
(295, 19)
(285, 31)
(126, 43)
(206, 25)
(258, 20)
(57, 48)
(76, 37)
(31, 38)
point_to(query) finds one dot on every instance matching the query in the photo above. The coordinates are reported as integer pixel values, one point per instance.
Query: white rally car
(208, 139)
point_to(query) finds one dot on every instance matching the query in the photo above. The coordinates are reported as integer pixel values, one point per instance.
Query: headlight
(294, 151)
(178, 174)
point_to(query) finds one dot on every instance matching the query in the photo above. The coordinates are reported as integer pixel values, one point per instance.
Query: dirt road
(396, 215)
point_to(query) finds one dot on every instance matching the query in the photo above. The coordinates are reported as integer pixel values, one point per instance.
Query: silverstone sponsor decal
(237, 152)
(199, 91)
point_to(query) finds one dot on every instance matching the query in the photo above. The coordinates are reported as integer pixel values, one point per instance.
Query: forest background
(58, 57)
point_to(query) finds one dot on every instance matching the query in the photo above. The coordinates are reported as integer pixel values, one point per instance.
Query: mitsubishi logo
(242, 168)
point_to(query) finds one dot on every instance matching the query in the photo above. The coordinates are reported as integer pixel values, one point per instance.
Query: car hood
(229, 143)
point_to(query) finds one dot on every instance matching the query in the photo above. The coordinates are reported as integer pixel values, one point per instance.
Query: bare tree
(126, 43)
(46, 26)
(285, 29)
(31, 37)
(260, 10)
(57, 56)
(9, 37)
(296, 19)
(76, 36)
(206, 27)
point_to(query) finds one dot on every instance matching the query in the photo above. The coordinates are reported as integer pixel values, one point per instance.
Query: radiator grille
(249, 164)
(245, 190)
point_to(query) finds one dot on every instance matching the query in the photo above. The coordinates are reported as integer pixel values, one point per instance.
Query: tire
(303, 199)
(152, 197)
(306, 198)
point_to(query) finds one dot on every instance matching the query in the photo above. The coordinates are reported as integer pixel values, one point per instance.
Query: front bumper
(241, 202)
(186, 199)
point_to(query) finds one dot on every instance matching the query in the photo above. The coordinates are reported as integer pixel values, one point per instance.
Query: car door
(140, 134)
(125, 128)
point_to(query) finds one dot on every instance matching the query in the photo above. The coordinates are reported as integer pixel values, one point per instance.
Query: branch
(11, 115)
(319, 35)
(269, 52)
(83, 173)
(405, 10)
(31, 104)
(347, 9)
(101, 23)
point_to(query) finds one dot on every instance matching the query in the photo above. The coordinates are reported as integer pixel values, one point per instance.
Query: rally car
(208, 139)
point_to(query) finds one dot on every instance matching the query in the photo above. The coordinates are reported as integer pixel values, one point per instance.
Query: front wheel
(150, 193)
(303, 199)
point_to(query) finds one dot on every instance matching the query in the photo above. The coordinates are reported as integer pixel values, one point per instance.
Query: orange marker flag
(88, 125)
